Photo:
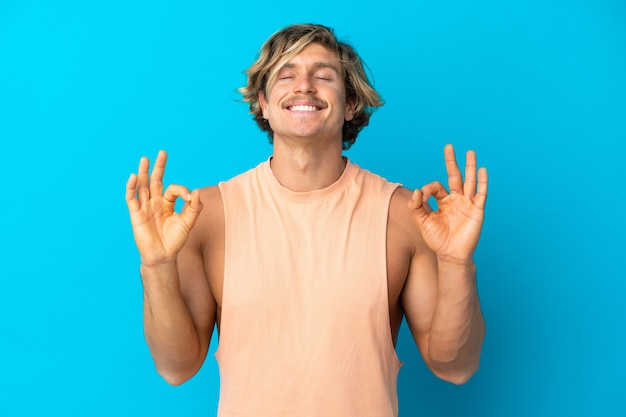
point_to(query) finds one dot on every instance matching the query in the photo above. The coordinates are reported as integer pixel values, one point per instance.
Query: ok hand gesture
(453, 230)
(159, 231)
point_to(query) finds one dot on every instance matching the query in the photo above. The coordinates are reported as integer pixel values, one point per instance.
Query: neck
(306, 169)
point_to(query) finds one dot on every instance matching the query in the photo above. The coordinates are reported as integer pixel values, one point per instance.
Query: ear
(349, 113)
(263, 104)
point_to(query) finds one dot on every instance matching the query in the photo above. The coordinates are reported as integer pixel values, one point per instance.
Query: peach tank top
(305, 317)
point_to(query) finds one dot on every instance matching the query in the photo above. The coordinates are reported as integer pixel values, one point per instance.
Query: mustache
(306, 98)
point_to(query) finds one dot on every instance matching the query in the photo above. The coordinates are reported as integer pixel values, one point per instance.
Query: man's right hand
(159, 231)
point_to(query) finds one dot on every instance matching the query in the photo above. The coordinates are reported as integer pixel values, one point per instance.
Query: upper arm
(193, 270)
(418, 294)
(419, 297)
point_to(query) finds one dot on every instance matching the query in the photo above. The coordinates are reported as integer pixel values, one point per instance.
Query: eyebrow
(317, 65)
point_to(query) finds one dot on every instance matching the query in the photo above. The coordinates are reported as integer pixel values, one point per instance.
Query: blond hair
(282, 46)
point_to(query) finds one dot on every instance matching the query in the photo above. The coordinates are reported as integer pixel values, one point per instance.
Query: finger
(156, 179)
(143, 192)
(455, 181)
(435, 189)
(481, 195)
(192, 210)
(175, 191)
(131, 193)
(469, 186)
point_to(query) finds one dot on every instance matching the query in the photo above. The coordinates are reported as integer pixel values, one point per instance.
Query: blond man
(307, 263)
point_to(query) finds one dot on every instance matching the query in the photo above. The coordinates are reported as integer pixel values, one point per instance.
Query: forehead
(313, 55)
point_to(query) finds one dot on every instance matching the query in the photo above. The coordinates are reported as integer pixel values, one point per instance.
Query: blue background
(537, 88)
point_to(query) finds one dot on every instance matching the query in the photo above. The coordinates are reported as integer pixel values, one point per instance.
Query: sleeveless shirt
(305, 328)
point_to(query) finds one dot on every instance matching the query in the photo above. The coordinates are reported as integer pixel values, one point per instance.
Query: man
(307, 264)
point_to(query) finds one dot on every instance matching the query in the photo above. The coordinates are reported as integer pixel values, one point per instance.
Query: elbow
(173, 378)
(458, 364)
(177, 371)
(457, 377)
(176, 377)
(457, 371)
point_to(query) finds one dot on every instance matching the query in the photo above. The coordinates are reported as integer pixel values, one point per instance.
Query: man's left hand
(452, 231)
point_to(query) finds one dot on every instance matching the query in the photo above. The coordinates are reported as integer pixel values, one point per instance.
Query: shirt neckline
(348, 173)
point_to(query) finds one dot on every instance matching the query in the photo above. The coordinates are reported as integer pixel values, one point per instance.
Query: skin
(431, 273)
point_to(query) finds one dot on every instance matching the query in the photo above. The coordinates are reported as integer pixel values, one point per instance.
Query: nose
(304, 85)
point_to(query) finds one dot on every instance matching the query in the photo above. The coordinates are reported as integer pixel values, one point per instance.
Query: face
(307, 97)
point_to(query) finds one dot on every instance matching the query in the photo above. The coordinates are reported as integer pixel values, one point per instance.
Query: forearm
(458, 326)
(177, 349)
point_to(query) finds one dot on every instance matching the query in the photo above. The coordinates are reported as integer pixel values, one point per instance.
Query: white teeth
(303, 108)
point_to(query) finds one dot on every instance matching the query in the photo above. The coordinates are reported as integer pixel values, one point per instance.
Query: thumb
(417, 206)
(192, 209)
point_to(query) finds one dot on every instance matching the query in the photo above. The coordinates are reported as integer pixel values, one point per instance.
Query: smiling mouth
(304, 104)
(303, 108)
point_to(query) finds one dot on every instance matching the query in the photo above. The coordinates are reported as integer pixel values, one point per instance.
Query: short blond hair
(287, 43)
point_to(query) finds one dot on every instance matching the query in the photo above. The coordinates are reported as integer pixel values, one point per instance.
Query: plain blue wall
(538, 88)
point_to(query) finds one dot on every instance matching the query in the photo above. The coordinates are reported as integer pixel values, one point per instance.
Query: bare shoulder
(211, 195)
(210, 223)
(211, 198)
(401, 226)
